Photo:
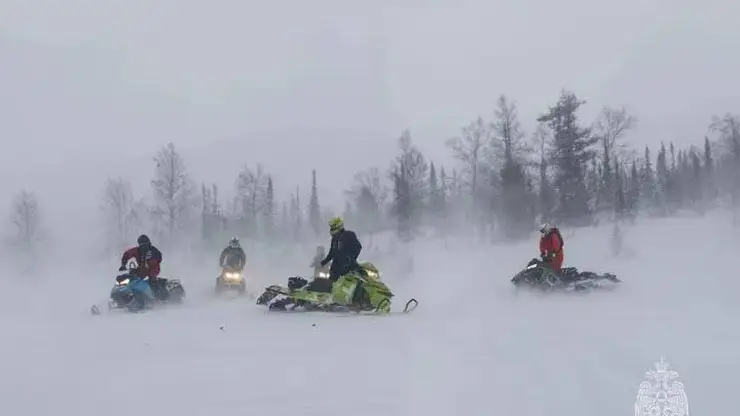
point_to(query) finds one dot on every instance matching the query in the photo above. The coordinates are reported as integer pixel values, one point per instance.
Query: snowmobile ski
(408, 303)
(338, 311)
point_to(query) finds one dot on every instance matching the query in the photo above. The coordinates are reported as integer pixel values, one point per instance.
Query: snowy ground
(472, 347)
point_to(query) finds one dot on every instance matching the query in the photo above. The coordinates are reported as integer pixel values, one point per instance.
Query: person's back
(348, 248)
(344, 250)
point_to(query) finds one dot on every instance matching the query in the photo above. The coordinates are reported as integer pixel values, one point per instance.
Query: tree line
(502, 182)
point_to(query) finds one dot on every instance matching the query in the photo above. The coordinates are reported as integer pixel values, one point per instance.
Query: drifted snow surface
(472, 347)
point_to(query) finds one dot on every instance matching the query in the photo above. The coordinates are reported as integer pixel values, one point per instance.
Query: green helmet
(336, 225)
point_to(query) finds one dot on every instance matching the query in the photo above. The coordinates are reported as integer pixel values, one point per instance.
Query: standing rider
(148, 258)
(344, 250)
(316, 262)
(233, 256)
(551, 246)
(343, 253)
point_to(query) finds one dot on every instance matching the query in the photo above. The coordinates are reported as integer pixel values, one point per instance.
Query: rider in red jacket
(148, 258)
(551, 246)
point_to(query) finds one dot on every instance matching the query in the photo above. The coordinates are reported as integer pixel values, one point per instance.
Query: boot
(280, 305)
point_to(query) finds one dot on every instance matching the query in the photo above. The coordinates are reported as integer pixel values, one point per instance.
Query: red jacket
(148, 259)
(551, 243)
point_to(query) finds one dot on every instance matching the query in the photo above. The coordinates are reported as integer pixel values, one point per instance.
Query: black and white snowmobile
(231, 279)
(537, 275)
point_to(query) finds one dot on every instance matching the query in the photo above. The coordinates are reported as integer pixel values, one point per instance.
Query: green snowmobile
(359, 290)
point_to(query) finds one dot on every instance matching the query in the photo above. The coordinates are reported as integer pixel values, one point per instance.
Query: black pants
(339, 270)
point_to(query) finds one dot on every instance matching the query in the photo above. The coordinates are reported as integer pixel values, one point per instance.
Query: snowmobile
(135, 294)
(537, 275)
(231, 279)
(360, 290)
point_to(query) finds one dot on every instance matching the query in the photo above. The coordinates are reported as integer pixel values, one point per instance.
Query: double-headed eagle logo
(661, 394)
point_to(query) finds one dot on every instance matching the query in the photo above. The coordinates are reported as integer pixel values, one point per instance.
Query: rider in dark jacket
(345, 248)
(233, 256)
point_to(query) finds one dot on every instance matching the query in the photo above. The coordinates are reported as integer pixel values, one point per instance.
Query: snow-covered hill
(472, 347)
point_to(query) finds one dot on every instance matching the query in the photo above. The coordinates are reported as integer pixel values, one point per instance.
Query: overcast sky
(90, 88)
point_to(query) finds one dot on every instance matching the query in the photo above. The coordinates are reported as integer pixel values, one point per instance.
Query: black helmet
(143, 240)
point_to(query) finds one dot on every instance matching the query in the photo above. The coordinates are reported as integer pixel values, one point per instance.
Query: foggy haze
(93, 89)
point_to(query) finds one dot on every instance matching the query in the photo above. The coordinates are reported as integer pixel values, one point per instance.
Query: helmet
(143, 240)
(336, 224)
(546, 228)
(234, 243)
(132, 265)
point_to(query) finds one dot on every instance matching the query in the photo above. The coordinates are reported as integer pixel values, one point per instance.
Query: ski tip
(408, 308)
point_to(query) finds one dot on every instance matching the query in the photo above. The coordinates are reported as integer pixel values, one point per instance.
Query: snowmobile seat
(321, 285)
(296, 282)
(569, 271)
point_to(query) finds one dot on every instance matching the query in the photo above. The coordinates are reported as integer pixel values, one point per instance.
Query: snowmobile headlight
(231, 276)
(123, 282)
(324, 275)
(373, 275)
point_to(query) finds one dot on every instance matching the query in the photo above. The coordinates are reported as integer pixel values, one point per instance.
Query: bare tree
(314, 209)
(174, 191)
(251, 194)
(26, 218)
(471, 149)
(371, 181)
(728, 128)
(610, 127)
(123, 215)
(539, 163)
(213, 219)
(367, 197)
(413, 162)
(516, 206)
(540, 144)
(409, 175)
(508, 132)
(296, 214)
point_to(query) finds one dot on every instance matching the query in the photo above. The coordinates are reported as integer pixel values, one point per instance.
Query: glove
(122, 268)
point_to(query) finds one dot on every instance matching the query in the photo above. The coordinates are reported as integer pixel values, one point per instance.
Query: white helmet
(545, 228)
(132, 265)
